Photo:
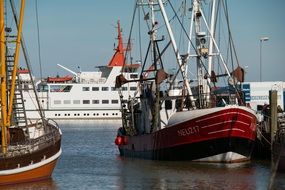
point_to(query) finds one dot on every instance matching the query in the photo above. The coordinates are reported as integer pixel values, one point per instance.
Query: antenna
(68, 69)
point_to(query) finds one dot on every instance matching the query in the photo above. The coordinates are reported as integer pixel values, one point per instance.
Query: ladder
(19, 113)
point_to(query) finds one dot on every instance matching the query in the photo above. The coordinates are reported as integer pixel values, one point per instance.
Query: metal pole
(273, 117)
(260, 56)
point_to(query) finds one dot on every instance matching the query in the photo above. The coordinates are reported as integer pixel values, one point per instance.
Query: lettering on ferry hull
(188, 131)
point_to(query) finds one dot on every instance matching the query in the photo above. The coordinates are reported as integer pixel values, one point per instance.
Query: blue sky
(82, 33)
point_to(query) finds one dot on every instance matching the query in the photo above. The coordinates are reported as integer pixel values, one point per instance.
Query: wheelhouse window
(133, 88)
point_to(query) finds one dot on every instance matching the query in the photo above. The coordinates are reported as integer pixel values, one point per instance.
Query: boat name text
(188, 131)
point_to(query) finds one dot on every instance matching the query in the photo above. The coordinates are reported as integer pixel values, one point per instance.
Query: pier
(271, 134)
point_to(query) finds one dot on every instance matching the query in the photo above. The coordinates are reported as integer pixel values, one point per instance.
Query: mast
(200, 41)
(178, 56)
(118, 58)
(211, 44)
(3, 80)
(153, 39)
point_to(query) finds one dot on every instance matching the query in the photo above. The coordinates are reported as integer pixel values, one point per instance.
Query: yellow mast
(3, 79)
(6, 114)
(16, 60)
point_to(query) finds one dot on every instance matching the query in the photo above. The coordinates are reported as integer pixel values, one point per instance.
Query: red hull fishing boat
(29, 151)
(199, 123)
(224, 134)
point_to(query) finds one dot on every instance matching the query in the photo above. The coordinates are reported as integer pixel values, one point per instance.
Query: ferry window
(85, 88)
(114, 89)
(129, 70)
(133, 76)
(41, 88)
(76, 101)
(95, 101)
(57, 102)
(60, 88)
(105, 88)
(86, 101)
(124, 88)
(66, 102)
(115, 101)
(105, 101)
(67, 88)
(95, 88)
(133, 88)
(26, 87)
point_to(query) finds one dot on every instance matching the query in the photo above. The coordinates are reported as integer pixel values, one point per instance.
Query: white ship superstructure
(82, 95)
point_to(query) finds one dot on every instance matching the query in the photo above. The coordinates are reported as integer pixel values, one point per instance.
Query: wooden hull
(222, 135)
(31, 159)
(34, 172)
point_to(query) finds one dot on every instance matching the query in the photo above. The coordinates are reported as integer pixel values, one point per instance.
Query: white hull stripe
(32, 166)
(223, 114)
(233, 129)
(230, 121)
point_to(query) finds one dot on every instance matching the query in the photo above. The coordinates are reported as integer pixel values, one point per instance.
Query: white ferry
(82, 95)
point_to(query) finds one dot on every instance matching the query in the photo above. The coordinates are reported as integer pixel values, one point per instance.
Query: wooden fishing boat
(29, 151)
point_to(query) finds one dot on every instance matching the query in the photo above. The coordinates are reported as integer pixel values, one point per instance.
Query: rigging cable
(232, 47)
(192, 44)
(38, 35)
(129, 39)
(140, 37)
(225, 6)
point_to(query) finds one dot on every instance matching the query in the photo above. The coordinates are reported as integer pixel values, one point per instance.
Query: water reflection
(48, 184)
(277, 181)
(145, 174)
(90, 160)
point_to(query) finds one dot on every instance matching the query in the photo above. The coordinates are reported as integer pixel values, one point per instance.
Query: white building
(257, 93)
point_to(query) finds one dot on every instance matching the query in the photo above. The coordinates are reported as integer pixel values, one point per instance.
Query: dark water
(90, 160)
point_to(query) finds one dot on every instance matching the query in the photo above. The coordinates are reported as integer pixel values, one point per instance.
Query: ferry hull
(226, 135)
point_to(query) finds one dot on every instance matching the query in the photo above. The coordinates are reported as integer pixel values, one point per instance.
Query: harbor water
(90, 160)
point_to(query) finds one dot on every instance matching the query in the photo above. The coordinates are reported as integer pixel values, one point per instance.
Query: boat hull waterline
(34, 172)
(225, 135)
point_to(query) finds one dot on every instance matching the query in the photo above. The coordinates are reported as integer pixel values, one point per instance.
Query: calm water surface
(90, 160)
